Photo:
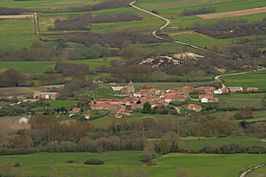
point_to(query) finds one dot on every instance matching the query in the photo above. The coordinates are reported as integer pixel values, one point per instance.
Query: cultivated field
(233, 13)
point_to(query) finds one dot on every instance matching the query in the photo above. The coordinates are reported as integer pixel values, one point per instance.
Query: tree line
(203, 10)
(83, 22)
(232, 28)
(49, 134)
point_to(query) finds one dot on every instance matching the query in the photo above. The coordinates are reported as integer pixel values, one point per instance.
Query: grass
(107, 120)
(45, 4)
(34, 67)
(16, 33)
(253, 79)
(61, 103)
(241, 100)
(196, 164)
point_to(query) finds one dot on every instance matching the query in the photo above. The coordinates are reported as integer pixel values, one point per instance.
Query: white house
(218, 92)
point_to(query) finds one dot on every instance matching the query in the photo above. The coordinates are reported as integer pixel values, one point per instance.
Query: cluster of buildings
(155, 96)
(133, 100)
(235, 90)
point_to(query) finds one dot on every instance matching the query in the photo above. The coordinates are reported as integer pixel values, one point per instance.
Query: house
(252, 89)
(208, 98)
(205, 89)
(194, 107)
(169, 97)
(235, 89)
(117, 88)
(46, 95)
(218, 92)
(221, 91)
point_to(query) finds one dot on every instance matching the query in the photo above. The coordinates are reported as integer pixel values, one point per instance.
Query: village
(131, 99)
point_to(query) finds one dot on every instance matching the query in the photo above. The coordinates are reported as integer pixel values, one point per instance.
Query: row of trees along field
(49, 134)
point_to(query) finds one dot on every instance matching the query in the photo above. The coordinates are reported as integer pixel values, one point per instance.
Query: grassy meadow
(240, 100)
(35, 67)
(42, 164)
(253, 79)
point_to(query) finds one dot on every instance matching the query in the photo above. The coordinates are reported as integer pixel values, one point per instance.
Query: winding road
(166, 24)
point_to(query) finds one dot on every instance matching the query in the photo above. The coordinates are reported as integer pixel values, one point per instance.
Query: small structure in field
(23, 121)
(46, 95)
(194, 107)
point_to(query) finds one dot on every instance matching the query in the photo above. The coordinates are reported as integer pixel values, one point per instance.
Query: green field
(199, 164)
(61, 103)
(47, 4)
(20, 33)
(16, 33)
(42, 66)
(242, 100)
(253, 79)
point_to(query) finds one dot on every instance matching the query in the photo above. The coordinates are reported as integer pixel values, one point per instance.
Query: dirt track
(233, 13)
(16, 16)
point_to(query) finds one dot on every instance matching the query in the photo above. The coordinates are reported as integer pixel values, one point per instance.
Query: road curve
(166, 23)
(245, 173)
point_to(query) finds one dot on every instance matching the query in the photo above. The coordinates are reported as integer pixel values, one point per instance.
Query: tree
(12, 78)
(146, 108)
(149, 152)
(169, 143)
(131, 53)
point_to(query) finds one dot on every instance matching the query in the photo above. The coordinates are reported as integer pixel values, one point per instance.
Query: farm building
(46, 95)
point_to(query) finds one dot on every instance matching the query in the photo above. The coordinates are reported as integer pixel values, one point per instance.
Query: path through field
(16, 16)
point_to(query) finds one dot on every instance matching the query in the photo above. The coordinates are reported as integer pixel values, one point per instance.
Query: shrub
(17, 164)
(94, 162)
(70, 161)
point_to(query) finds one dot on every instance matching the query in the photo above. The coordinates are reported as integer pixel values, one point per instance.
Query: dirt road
(16, 16)
(233, 13)
(245, 173)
